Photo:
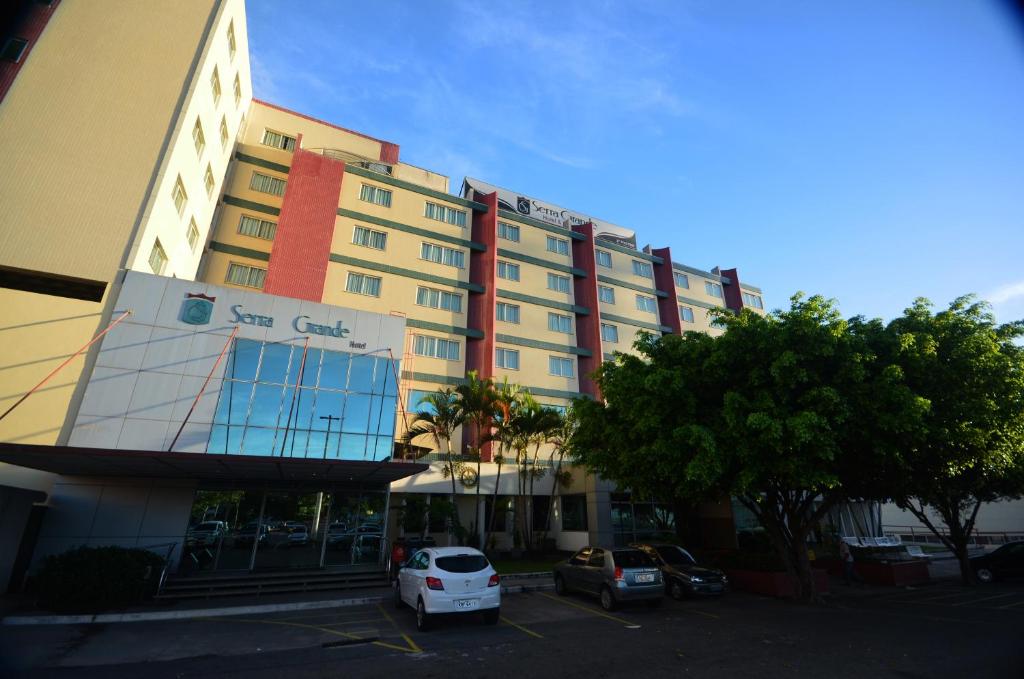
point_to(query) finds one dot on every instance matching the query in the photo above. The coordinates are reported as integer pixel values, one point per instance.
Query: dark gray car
(615, 575)
(683, 577)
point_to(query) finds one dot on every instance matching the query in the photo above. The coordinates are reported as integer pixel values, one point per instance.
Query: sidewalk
(20, 611)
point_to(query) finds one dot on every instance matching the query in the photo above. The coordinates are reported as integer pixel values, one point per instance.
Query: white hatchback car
(448, 580)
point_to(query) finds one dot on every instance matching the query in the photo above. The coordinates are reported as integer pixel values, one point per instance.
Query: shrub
(767, 562)
(89, 579)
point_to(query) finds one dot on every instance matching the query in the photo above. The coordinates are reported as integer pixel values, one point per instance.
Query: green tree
(971, 447)
(507, 401)
(440, 414)
(478, 398)
(559, 438)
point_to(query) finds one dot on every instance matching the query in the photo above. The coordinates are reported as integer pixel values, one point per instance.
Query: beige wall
(86, 119)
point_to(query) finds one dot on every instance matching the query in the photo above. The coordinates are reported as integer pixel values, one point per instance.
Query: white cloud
(1006, 293)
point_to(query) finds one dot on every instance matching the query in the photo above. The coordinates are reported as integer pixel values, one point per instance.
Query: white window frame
(375, 240)
(254, 276)
(209, 181)
(559, 323)
(686, 314)
(215, 85)
(444, 213)
(263, 227)
(444, 255)
(277, 140)
(681, 279)
(505, 230)
(508, 268)
(713, 289)
(375, 194)
(180, 196)
(609, 329)
(192, 234)
(600, 255)
(643, 269)
(198, 138)
(501, 356)
(433, 298)
(642, 304)
(752, 300)
(558, 283)
(160, 254)
(510, 310)
(265, 183)
(601, 289)
(430, 346)
(363, 288)
(561, 361)
(558, 246)
(232, 44)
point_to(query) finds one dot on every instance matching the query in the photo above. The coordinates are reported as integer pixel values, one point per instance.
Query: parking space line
(521, 628)
(412, 644)
(602, 614)
(988, 598)
(325, 630)
(704, 613)
(1013, 605)
(944, 596)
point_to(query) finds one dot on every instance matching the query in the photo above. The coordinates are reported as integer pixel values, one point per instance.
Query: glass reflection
(343, 408)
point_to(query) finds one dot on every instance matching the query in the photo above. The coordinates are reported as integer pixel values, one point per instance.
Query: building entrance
(268, 529)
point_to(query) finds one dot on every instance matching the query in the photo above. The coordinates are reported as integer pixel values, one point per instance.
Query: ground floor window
(541, 508)
(637, 521)
(574, 512)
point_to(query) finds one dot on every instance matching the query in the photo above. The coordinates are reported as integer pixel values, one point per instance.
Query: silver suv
(616, 575)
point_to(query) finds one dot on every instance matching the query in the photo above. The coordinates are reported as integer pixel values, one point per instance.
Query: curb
(519, 589)
(102, 618)
(525, 576)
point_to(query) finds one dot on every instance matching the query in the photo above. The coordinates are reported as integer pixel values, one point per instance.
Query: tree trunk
(494, 503)
(551, 498)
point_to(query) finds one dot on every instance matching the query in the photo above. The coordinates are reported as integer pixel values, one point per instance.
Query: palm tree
(478, 404)
(535, 425)
(507, 401)
(440, 414)
(560, 437)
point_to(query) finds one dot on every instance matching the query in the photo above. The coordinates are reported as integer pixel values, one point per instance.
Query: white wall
(1005, 516)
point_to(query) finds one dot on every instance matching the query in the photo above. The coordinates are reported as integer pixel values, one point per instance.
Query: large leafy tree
(790, 413)
(970, 449)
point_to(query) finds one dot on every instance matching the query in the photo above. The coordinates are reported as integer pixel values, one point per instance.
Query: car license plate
(465, 603)
(645, 577)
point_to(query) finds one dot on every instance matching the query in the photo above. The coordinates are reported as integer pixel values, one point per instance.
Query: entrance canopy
(207, 467)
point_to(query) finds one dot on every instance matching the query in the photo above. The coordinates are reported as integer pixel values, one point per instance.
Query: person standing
(846, 556)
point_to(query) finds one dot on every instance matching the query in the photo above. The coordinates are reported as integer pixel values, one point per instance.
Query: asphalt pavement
(938, 631)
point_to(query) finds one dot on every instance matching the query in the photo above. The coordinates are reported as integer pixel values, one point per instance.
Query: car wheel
(607, 599)
(561, 589)
(398, 596)
(422, 617)
(491, 616)
(985, 575)
(676, 590)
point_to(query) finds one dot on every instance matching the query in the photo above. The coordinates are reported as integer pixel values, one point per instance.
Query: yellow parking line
(521, 628)
(709, 615)
(627, 623)
(408, 639)
(988, 598)
(382, 644)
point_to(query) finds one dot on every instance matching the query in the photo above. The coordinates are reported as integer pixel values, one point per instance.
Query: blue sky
(868, 151)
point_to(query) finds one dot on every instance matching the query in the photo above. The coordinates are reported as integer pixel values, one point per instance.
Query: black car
(683, 577)
(1005, 562)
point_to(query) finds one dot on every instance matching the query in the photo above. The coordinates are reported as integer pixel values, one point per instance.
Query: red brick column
(483, 270)
(668, 309)
(731, 291)
(29, 26)
(588, 326)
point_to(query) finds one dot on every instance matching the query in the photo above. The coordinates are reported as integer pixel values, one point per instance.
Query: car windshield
(675, 556)
(632, 558)
(461, 563)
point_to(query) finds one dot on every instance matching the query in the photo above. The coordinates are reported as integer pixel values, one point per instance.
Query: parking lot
(878, 632)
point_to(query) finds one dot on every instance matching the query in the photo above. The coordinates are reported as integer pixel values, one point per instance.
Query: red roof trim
(317, 120)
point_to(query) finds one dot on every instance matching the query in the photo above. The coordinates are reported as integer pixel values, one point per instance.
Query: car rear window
(632, 558)
(462, 563)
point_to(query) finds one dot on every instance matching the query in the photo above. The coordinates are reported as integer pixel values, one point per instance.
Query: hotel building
(239, 306)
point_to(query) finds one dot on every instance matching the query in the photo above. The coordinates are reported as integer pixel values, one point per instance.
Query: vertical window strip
(209, 181)
(215, 85)
(180, 197)
(361, 284)
(248, 276)
(257, 228)
(224, 134)
(267, 184)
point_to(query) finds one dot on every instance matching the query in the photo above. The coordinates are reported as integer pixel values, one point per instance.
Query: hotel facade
(225, 323)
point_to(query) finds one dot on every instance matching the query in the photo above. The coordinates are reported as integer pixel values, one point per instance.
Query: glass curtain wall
(637, 521)
(284, 400)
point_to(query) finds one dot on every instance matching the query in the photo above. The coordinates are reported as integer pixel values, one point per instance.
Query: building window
(574, 512)
(560, 367)
(248, 276)
(509, 313)
(508, 232)
(506, 358)
(686, 313)
(157, 258)
(559, 323)
(361, 284)
(713, 289)
(682, 280)
(14, 49)
(557, 245)
(375, 195)
(266, 184)
(208, 181)
(642, 269)
(368, 238)
(752, 300)
(198, 137)
(508, 270)
(439, 299)
(232, 46)
(606, 294)
(224, 135)
(443, 213)
(603, 258)
(257, 228)
(718, 324)
(558, 283)
(442, 255)
(645, 303)
(278, 141)
(215, 85)
(192, 235)
(180, 197)
(238, 93)
(435, 347)
(609, 333)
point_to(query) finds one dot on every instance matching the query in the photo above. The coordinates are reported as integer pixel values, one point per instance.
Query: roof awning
(257, 469)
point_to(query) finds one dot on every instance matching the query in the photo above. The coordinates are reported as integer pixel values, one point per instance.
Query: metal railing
(167, 561)
(920, 534)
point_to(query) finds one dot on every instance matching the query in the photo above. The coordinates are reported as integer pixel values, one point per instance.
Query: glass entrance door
(356, 532)
(294, 531)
